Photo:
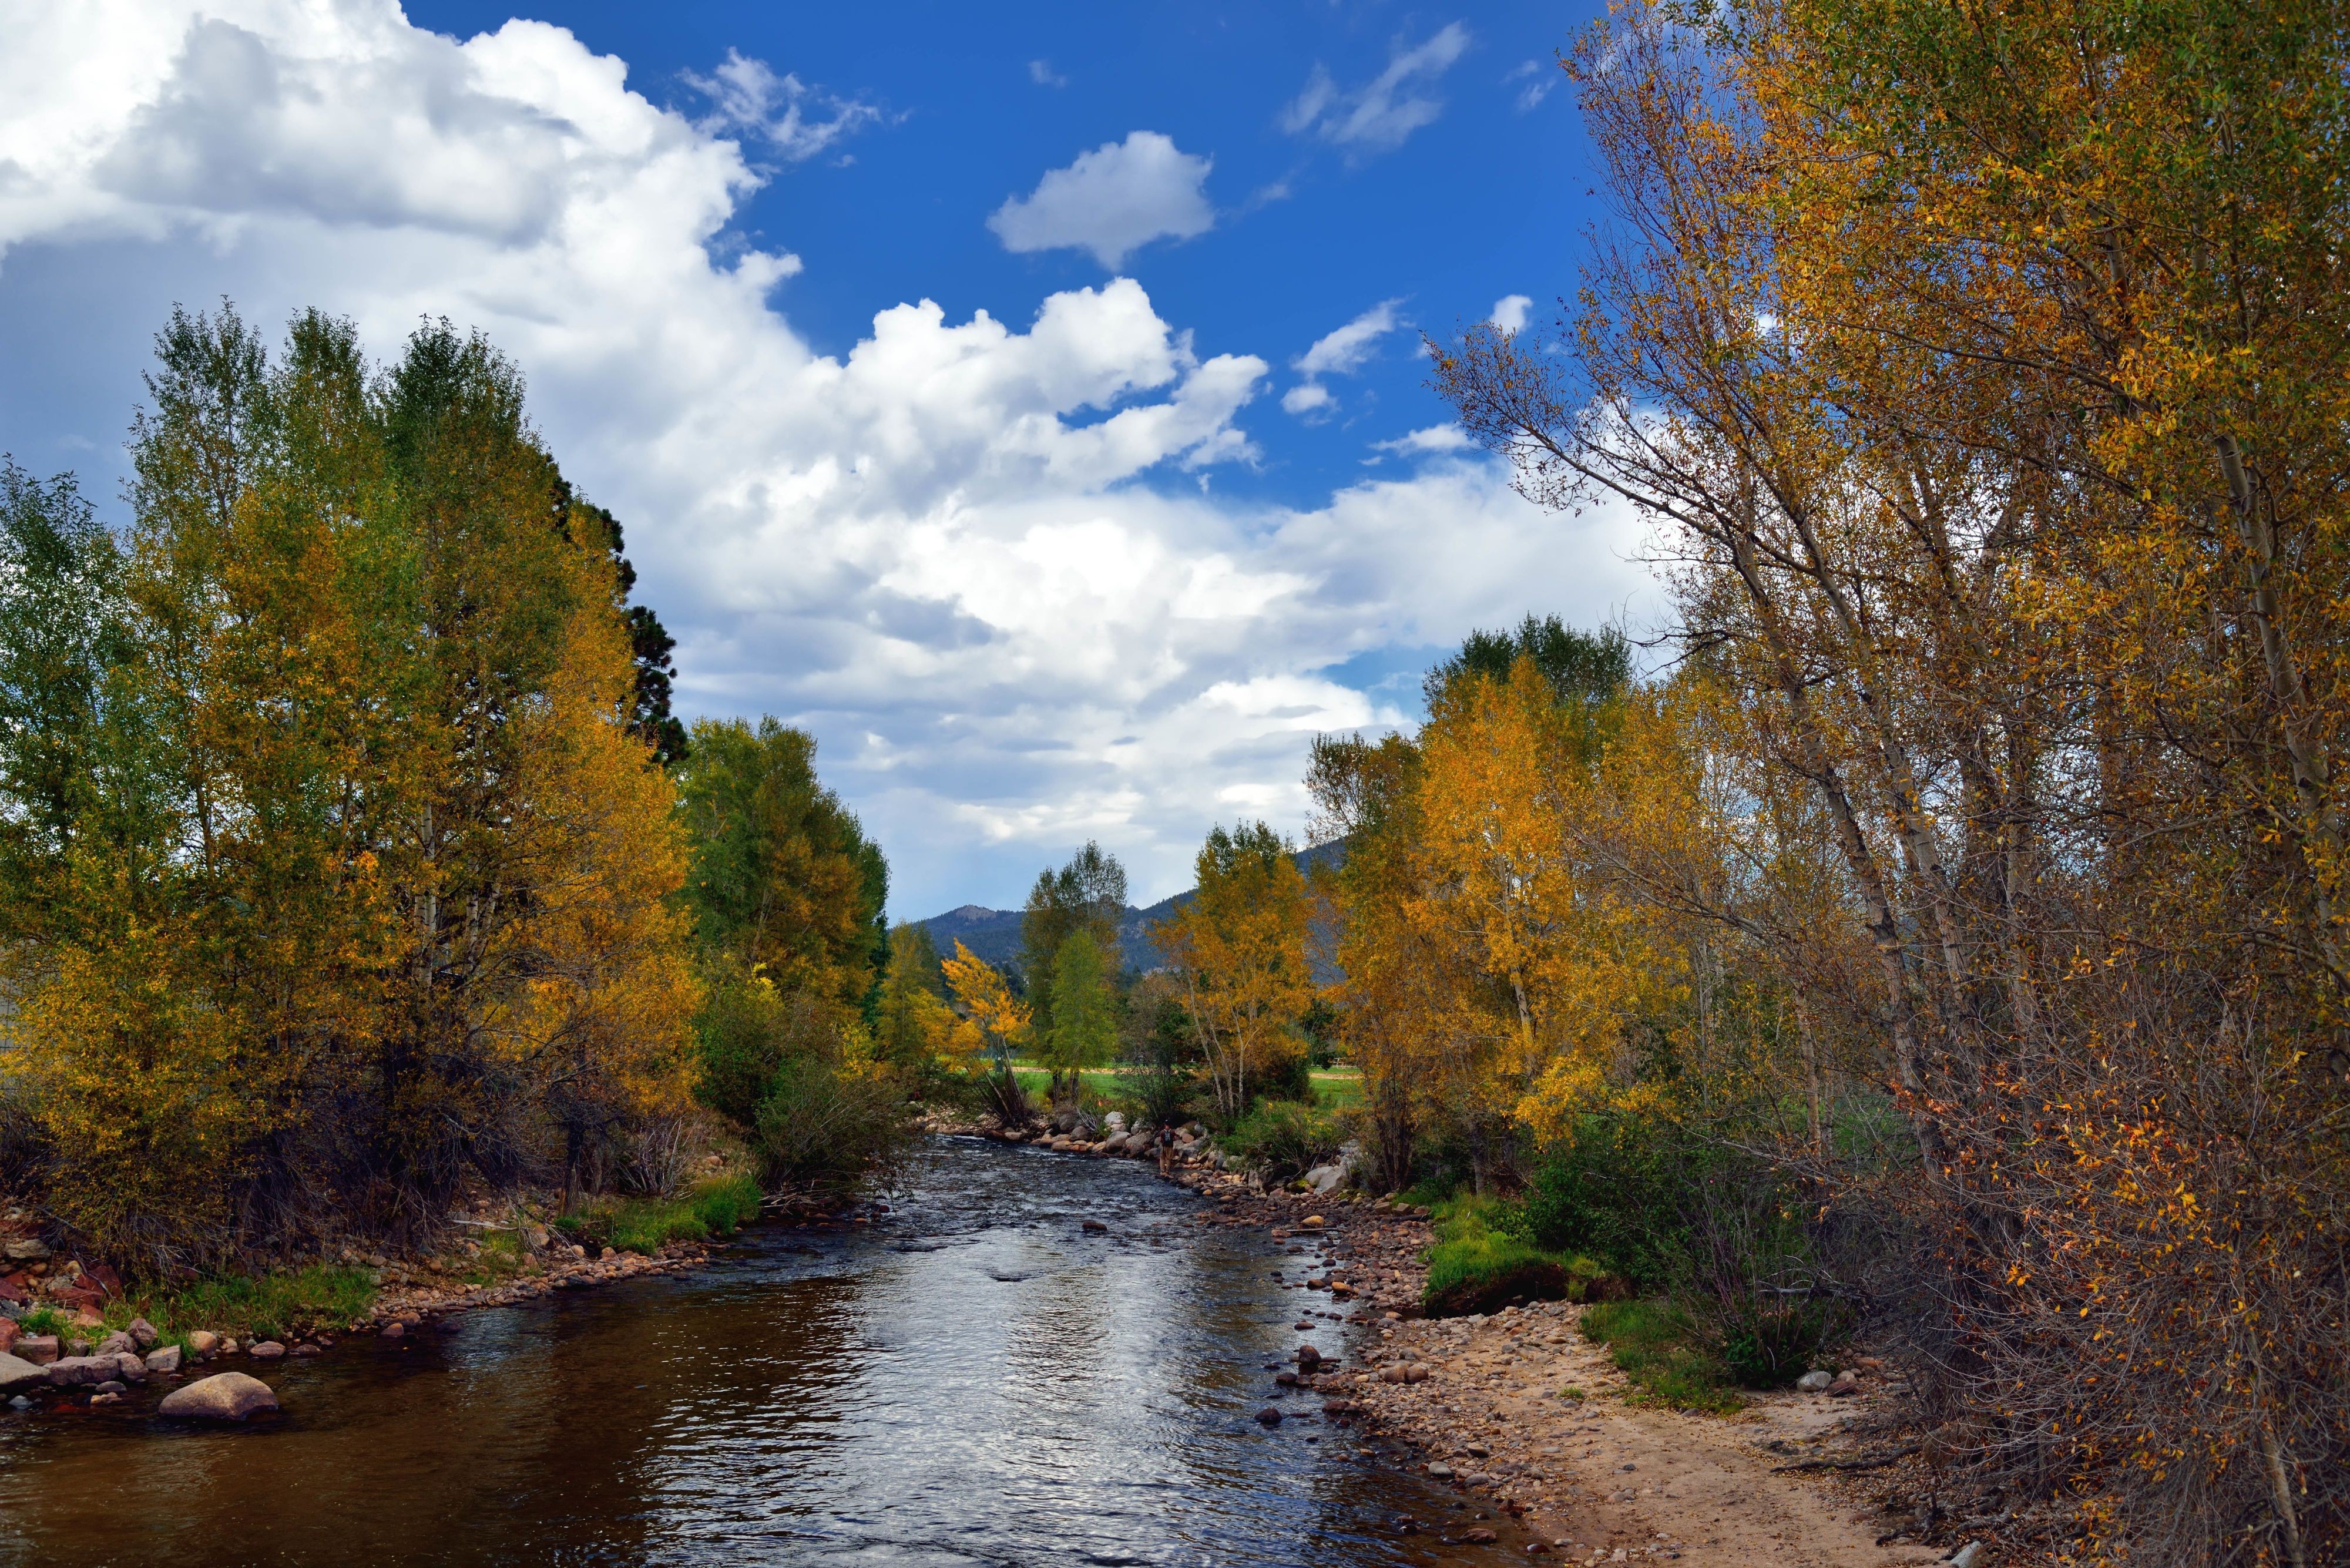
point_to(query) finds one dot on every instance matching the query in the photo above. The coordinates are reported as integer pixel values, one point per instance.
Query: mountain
(995, 934)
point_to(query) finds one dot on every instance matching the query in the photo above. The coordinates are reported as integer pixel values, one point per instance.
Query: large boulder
(18, 1375)
(223, 1397)
(71, 1371)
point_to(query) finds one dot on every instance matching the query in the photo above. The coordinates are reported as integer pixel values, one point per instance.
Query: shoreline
(1480, 1406)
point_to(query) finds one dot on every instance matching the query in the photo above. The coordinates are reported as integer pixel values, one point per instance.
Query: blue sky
(1026, 399)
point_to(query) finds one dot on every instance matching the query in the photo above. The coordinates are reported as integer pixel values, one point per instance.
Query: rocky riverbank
(1523, 1418)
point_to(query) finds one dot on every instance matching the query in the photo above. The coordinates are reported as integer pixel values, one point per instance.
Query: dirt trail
(1601, 1475)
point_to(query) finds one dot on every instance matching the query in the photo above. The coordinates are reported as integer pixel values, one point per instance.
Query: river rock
(25, 1250)
(72, 1371)
(165, 1358)
(17, 1375)
(130, 1367)
(115, 1344)
(1440, 1469)
(1816, 1381)
(108, 1390)
(142, 1334)
(223, 1397)
(10, 1330)
(395, 1329)
(1095, 1226)
(202, 1342)
(41, 1349)
(1308, 1358)
(267, 1350)
(1270, 1416)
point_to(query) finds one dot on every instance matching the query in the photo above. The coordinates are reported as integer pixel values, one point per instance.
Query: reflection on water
(971, 1379)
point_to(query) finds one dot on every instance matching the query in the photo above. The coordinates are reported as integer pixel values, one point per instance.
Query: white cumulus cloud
(1112, 201)
(970, 553)
(1381, 114)
(1509, 312)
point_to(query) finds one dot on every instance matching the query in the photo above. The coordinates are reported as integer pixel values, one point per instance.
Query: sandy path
(1605, 1476)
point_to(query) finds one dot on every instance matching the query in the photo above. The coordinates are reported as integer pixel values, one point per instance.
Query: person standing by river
(1166, 1142)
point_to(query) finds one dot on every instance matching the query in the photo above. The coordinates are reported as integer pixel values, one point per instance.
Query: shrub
(819, 1122)
(1283, 1139)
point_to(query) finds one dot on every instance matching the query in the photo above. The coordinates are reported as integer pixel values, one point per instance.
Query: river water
(972, 1378)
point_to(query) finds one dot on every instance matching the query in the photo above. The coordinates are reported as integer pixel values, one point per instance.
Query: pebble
(267, 1350)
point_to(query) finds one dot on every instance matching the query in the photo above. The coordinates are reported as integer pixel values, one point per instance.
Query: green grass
(45, 1319)
(1473, 1267)
(1337, 1089)
(712, 1208)
(1655, 1345)
(285, 1304)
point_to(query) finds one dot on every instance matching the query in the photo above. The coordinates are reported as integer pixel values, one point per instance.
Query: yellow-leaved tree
(1238, 944)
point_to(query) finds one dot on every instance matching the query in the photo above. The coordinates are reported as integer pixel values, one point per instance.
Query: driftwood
(1872, 1462)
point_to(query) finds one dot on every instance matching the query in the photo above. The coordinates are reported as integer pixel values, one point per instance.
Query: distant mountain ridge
(995, 934)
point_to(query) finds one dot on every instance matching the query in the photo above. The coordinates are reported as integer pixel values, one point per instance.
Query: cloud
(1379, 115)
(1509, 312)
(1111, 202)
(1042, 73)
(747, 96)
(1539, 76)
(1434, 441)
(968, 554)
(1347, 349)
(1341, 352)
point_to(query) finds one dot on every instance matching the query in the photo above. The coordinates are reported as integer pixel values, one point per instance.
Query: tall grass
(1661, 1349)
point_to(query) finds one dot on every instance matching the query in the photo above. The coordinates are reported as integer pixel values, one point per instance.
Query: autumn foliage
(1984, 371)
(337, 869)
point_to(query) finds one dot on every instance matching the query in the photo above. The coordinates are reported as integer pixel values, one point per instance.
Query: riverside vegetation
(353, 869)
(1933, 943)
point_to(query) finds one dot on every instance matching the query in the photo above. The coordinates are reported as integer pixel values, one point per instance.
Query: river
(970, 1377)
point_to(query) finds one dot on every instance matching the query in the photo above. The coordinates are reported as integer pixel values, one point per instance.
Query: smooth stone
(306, 1350)
(395, 1329)
(132, 1365)
(38, 1348)
(142, 1334)
(1269, 1416)
(165, 1358)
(16, 1373)
(1815, 1382)
(20, 1403)
(267, 1350)
(202, 1342)
(68, 1371)
(1440, 1469)
(223, 1397)
(1095, 1226)
(115, 1344)
(112, 1386)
